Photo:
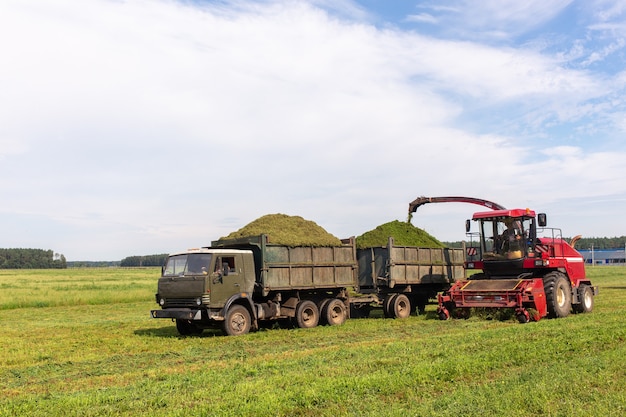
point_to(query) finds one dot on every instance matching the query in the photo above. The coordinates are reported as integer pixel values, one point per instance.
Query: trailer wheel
(400, 306)
(334, 312)
(387, 306)
(586, 299)
(307, 314)
(237, 321)
(321, 306)
(187, 328)
(558, 294)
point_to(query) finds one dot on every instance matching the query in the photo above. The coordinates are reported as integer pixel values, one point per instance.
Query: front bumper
(177, 313)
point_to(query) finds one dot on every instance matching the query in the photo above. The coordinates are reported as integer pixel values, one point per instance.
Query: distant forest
(598, 243)
(147, 260)
(20, 258)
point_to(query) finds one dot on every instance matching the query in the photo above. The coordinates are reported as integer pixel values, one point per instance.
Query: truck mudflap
(526, 296)
(177, 313)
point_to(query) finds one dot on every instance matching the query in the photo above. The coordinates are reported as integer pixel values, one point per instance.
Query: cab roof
(210, 250)
(504, 213)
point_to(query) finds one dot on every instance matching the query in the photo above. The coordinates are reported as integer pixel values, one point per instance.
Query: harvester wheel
(187, 328)
(307, 314)
(558, 294)
(443, 313)
(401, 306)
(237, 321)
(522, 315)
(586, 299)
(334, 312)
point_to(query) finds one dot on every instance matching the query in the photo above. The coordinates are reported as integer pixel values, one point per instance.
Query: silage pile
(403, 233)
(287, 230)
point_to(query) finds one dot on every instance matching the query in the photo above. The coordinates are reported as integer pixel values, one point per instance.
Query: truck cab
(199, 284)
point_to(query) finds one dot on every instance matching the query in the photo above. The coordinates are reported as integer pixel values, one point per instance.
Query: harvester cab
(506, 239)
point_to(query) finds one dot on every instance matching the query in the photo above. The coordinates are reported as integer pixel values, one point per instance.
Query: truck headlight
(162, 301)
(198, 301)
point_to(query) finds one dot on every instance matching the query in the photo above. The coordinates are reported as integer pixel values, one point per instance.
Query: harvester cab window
(506, 237)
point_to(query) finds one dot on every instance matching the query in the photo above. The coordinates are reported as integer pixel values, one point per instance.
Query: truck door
(227, 279)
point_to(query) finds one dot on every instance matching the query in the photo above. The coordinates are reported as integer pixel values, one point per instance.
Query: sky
(137, 127)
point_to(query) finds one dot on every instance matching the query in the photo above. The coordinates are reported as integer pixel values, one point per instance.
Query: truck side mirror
(542, 219)
(468, 225)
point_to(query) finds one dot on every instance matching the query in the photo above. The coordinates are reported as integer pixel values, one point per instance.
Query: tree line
(21, 258)
(146, 260)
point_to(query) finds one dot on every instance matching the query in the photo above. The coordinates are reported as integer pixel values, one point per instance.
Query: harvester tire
(585, 294)
(335, 312)
(307, 314)
(187, 328)
(237, 321)
(558, 294)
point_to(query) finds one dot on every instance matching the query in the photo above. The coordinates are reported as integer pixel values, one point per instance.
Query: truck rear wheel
(585, 294)
(558, 294)
(307, 314)
(334, 312)
(187, 328)
(237, 321)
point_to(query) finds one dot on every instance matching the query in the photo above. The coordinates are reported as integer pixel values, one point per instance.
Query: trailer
(404, 278)
(239, 284)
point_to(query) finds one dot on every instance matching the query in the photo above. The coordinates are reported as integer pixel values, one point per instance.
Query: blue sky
(149, 126)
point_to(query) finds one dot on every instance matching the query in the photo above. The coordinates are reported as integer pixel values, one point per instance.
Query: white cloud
(149, 126)
(493, 19)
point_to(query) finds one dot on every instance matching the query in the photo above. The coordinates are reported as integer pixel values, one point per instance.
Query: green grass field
(80, 342)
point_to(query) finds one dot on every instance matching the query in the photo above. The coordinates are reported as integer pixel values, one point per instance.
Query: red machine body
(538, 276)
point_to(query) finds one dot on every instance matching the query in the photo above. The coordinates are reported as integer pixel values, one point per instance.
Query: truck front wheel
(237, 321)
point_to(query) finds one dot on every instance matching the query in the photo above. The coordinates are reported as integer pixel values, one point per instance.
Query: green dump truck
(241, 284)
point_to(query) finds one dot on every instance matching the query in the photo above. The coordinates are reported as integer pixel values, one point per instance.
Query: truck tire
(321, 306)
(401, 306)
(237, 321)
(307, 314)
(388, 306)
(558, 294)
(334, 312)
(585, 295)
(187, 328)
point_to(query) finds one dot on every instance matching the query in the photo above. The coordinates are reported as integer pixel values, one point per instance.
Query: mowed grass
(95, 351)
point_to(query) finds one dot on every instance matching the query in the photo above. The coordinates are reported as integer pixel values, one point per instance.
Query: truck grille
(180, 302)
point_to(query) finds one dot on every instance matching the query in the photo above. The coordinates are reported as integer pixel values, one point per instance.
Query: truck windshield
(188, 264)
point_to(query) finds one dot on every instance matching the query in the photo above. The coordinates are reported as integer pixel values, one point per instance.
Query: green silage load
(287, 230)
(403, 233)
